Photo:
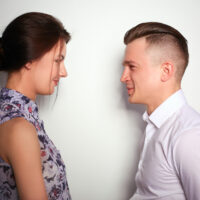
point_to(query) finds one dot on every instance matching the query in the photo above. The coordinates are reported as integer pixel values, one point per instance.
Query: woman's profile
(32, 51)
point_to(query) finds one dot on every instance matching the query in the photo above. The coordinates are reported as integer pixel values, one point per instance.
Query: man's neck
(160, 98)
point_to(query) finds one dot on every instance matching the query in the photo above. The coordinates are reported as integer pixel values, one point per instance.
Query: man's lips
(130, 90)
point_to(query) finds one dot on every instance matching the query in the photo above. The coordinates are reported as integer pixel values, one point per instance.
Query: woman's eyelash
(59, 59)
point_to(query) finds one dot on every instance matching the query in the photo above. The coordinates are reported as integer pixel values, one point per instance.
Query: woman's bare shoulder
(22, 151)
(16, 133)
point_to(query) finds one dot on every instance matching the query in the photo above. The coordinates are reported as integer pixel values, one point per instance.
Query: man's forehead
(136, 47)
(136, 52)
(137, 43)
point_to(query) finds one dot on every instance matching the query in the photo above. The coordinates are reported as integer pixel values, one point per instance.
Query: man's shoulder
(184, 120)
(188, 117)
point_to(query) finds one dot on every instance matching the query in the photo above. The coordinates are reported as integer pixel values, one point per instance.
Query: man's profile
(156, 57)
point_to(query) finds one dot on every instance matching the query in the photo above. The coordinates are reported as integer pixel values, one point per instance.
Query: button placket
(149, 131)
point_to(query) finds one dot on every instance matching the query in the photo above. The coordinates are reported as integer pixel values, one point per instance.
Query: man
(155, 60)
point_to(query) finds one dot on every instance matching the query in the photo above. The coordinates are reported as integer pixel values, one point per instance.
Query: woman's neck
(20, 82)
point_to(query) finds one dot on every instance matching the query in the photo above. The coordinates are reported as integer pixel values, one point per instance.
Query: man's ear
(167, 70)
(28, 65)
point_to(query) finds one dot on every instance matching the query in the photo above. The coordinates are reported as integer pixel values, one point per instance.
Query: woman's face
(48, 70)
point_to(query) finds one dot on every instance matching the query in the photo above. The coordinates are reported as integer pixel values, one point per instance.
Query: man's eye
(132, 67)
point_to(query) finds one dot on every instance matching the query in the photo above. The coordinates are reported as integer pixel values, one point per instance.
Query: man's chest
(155, 169)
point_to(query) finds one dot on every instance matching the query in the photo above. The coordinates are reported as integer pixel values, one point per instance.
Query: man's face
(141, 75)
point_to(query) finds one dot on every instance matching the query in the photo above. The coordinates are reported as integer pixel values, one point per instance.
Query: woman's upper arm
(24, 156)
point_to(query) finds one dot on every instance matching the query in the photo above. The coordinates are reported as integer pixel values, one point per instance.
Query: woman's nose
(63, 71)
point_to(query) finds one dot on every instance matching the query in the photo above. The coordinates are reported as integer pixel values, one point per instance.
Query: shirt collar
(26, 105)
(166, 109)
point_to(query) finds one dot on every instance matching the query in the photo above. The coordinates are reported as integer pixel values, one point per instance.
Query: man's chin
(133, 100)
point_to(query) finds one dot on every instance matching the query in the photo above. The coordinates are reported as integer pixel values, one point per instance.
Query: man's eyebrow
(128, 62)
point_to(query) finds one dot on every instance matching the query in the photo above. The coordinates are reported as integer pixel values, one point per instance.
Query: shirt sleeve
(186, 159)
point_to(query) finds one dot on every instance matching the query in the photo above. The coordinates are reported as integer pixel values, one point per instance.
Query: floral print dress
(14, 104)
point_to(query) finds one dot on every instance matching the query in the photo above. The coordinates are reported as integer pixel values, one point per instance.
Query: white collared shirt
(169, 166)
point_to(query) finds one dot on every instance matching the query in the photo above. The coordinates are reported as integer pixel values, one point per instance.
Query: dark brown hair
(161, 34)
(29, 37)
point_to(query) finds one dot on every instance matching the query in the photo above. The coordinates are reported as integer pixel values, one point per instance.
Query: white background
(92, 124)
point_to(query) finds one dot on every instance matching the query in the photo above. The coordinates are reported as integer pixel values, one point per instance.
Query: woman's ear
(167, 71)
(28, 65)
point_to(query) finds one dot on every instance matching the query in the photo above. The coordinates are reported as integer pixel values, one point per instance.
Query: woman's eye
(60, 59)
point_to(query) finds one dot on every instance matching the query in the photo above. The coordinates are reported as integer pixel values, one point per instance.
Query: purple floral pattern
(14, 104)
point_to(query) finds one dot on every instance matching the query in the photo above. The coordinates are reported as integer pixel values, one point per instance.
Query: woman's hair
(29, 37)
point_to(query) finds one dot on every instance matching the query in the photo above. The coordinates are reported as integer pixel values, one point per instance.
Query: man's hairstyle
(162, 35)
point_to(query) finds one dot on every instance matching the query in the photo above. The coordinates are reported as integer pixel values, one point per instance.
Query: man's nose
(125, 76)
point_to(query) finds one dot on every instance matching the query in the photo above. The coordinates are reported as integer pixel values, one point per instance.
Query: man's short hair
(163, 36)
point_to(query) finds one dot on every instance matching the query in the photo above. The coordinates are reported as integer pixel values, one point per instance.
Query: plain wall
(92, 123)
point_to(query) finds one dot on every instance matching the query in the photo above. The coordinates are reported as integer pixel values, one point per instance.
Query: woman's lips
(56, 82)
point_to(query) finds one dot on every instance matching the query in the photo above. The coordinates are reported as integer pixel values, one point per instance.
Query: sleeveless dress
(14, 104)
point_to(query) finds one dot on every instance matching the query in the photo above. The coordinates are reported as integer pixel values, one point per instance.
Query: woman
(32, 51)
